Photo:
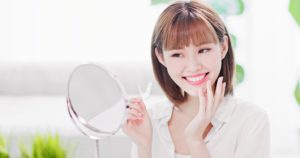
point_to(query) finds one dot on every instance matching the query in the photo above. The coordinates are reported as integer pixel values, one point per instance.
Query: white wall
(36, 30)
(275, 67)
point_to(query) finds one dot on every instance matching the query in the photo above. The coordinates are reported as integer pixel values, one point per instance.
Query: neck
(190, 107)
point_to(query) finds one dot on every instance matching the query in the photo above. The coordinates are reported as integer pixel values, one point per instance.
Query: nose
(193, 64)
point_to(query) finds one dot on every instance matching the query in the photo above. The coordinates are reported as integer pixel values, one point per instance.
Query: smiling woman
(185, 70)
(193, 62)
(189, 30)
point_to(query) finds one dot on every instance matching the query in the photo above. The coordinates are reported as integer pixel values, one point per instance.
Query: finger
(218, 93)
(136, 106)
(132, 117)
(201, 101)
(131, 121)
(223, 93)
(218, 90)
(129, 124)
(221, 96)
(224, 89)
(210, 98)
(136, 99)
(135, 113)
(140, 102)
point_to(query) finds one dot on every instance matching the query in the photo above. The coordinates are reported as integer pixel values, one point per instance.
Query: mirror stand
(97, 149)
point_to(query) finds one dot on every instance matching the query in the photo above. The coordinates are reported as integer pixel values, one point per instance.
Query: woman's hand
(138, 124)
(208, 105)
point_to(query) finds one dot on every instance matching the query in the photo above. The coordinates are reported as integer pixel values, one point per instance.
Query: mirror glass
(96, 101)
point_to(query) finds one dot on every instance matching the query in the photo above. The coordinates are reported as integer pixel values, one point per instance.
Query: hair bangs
(186, 30)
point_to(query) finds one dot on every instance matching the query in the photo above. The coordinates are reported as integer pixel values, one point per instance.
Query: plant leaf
(47, 146)
(3, 150)
(240, 74)
(233, 40)
(156, 2)
(294, 8)
(2, 141)
(23, 151)
(228, 7)
(3, 153)
(297, 92)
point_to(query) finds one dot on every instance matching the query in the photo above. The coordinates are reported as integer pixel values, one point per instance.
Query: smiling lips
(196, 80)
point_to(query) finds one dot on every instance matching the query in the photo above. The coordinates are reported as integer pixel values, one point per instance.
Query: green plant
(156, 2)
(240, 74)
(47, 146)
(3, 150)
(297, 92)
(294, 8)
(228, 7)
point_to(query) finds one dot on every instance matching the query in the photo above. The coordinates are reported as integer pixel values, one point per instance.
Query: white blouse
(240, 130)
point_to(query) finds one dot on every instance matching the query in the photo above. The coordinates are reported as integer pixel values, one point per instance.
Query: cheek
(174, 67)
(215, 60)
(214, 63)
(217, 66)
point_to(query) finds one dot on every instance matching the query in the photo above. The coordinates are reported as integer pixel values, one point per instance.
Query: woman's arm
(198, 149)
(208, 104)
(138, 128)
(137, 152)
(144, 153)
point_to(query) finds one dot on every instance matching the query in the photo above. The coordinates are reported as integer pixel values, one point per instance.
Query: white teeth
(195, 79)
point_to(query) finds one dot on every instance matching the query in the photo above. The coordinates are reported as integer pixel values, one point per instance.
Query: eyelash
(201, 50)
(176, 55)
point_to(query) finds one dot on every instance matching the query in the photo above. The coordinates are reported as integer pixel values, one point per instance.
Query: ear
(224, 46)
(160, 57)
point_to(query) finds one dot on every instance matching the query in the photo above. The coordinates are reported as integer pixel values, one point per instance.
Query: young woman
(193, 63)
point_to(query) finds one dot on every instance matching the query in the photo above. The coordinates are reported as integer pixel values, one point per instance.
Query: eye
(204, 50)
(176, 55)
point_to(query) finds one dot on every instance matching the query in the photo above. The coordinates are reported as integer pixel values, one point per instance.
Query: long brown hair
(180, 24)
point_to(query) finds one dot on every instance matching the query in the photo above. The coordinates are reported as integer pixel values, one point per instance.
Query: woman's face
(191, 67)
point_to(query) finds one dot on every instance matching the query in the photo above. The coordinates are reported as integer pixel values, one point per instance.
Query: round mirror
(96, 101)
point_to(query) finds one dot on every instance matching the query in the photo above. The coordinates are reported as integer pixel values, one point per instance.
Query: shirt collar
(225, 110)
(164, 113)
(223, 113)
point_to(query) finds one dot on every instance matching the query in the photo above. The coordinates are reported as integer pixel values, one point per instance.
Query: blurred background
(41, 41)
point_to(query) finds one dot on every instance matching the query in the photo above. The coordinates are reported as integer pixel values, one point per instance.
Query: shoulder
(248, 109)
(237, 111)
(249, 115)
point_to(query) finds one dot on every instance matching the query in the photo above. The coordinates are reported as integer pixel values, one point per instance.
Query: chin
(195, 92)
